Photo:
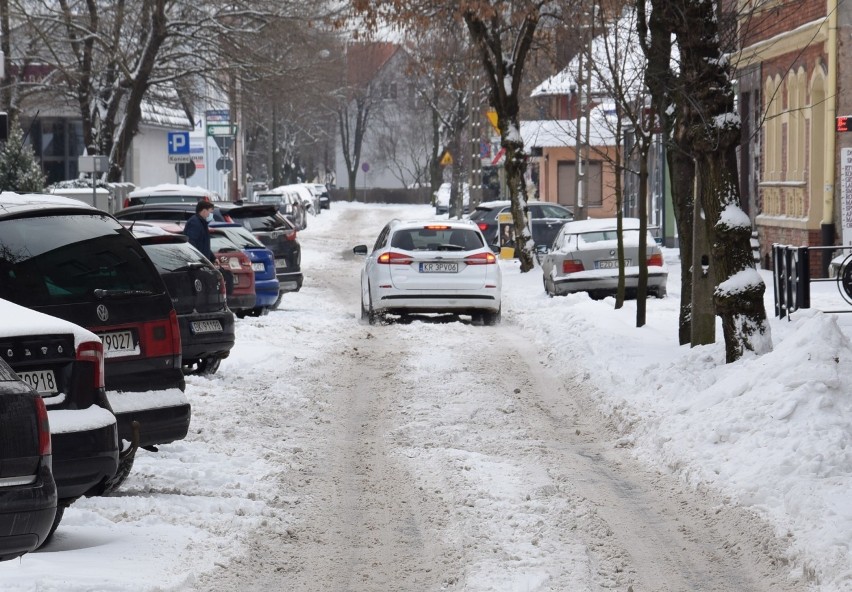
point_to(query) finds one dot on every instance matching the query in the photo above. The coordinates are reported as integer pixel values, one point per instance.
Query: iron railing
(792, 278)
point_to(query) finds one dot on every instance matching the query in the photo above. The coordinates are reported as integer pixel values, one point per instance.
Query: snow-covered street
(563, 450)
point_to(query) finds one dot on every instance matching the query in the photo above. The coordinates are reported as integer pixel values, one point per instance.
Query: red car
(230, 258)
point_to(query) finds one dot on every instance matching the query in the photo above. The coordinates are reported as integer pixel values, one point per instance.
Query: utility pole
(475, 127)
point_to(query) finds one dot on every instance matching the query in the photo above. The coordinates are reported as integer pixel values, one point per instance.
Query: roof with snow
(561, 133)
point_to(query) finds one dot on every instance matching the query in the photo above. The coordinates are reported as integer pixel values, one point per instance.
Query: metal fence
(792, 279)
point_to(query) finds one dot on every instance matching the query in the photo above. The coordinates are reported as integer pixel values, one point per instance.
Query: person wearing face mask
(196, 229)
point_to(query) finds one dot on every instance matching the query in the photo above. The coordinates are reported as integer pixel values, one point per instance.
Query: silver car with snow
(584, 258)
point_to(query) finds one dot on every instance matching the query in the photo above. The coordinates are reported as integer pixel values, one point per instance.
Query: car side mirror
(542, 249)
(360, 250)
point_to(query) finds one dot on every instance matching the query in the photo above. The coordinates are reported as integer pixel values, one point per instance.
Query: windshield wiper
(101, 293)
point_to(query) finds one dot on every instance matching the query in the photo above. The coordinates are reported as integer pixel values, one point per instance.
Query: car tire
(60, 512)
(368, 315)
(661, 293)
(208, 366)
(549, 288)
(125, 465)
(490, 318)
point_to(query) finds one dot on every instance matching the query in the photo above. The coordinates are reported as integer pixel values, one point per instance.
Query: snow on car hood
(19, 320)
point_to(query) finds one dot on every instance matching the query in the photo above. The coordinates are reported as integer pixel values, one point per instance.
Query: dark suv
(69, 260)
(64, 363)
(546, 219)
(263, 220)
(27, 488)
(198, 294)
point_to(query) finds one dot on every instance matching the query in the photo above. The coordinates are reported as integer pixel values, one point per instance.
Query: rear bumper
(289, 281)
(239, 302)
(163, 416)
(607, 284)
(431, 303)
(144, 374)
(266, 291)
(201, 345)
(26, 515)
(83, 460)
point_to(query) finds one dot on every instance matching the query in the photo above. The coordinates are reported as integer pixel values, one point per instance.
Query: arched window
(816, 161)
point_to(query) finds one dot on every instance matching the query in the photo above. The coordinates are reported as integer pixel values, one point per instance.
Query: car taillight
(394, 258)
(44, 447)
(572, 266)
(481, 259)
(227, 218)
(483, 226)
(655, 260)
(126, 203)
(93, 351)
(290, 235)
(161, 338)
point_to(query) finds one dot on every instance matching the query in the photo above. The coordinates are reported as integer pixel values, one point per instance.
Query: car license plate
(213, 326)
(439, 267)
(610, 264)
(281, 263)
(119, 343)
(258, 267)
(42, 381)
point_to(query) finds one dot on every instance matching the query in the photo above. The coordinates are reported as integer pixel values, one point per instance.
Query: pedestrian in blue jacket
(196, 229)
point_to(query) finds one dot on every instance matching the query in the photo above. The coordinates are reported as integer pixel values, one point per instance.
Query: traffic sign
(221, 129)
(178, 143)
(365, 166)
(178, 158)
(217, 115)
(185, 170)
(224, 164)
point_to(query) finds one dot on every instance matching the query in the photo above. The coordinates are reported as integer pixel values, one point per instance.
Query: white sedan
(430, 267)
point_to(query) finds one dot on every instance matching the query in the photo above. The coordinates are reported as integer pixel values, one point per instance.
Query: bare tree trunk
(682, 176)
(644, 140)
(714, 133)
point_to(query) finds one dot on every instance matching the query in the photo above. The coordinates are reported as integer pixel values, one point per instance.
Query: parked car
(584, 258)
(242, 298)
(199, 296)
(266, 284)
(306, 193)
(64, 363)
(545, 218)
(66, 259)
(289, 204)
(322, 192)
(442, 198)
(27, 488)
(429, 267)
(169, 193)
(263, 220)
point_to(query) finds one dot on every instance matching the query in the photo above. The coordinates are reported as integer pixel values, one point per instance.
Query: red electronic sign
(844, 124)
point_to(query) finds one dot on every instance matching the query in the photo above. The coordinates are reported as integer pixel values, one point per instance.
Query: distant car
(584, 258)
(64, 363)
(27, 489)
(263, 220)
(198, 293)
(306, 193)
(430, 267)
(69, 260)
(169, 193)
(266, 284)
(546, 220)
(442, 198)
(289, 204)
(324, 197)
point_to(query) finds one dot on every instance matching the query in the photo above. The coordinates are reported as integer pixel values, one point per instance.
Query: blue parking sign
(178, 143)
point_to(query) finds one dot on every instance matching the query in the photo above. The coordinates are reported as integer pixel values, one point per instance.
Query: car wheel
(125, 465)
(491, 318)
(660, 293)
(60, 512)
(277, 301)
(549, 287)
(208, 365)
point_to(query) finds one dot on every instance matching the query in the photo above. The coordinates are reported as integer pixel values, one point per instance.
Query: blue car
(262, 261)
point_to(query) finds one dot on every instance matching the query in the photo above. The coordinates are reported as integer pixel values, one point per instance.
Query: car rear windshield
(480, 213)
(219, 242)
(260, 223)
(240, 237)
(437, 239)
(172, 257)
(63, 259)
